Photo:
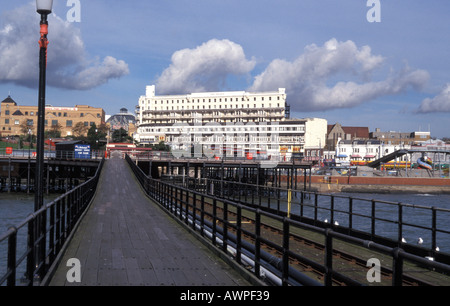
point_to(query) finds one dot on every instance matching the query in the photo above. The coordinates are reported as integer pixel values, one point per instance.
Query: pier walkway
(127, 239)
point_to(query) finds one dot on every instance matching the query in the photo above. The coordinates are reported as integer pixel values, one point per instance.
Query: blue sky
(333, 62)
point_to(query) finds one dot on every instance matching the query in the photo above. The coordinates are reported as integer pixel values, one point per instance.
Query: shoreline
(381, 189)
(386, 185)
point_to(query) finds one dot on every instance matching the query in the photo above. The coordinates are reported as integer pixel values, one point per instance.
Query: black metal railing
(46, 232)
(386, 222)
(222, 221)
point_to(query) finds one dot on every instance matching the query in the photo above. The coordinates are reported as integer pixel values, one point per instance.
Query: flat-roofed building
(230, 124)
(15, 119)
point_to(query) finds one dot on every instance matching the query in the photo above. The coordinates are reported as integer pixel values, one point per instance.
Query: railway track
(349, 261)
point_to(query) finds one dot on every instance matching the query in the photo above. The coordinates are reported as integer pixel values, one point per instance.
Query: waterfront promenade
(127, 239)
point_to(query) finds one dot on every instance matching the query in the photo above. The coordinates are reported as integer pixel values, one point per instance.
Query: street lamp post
(44, 8)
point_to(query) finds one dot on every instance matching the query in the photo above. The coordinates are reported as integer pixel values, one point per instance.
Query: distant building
(15, 118)
(401, 138)
(359, 152)
(230, 124)
(337, 131)
(122, 120)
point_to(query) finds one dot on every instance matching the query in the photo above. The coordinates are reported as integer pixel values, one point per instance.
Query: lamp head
(44, 6)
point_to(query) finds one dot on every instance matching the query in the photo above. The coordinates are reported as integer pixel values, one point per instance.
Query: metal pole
(39, 194)
(39, 191)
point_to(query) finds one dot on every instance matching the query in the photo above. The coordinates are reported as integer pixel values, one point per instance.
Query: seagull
(419, 241)
(326, 220)
(437, 249)
(403, 240)
(336, 223)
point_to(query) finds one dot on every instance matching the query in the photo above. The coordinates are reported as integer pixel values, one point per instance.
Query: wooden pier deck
(125, 239)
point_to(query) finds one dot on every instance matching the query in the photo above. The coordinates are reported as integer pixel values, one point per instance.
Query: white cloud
(439, 103)
(68, 64)
(306, 79)
(204, 68)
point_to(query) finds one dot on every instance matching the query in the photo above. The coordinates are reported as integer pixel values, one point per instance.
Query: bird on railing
(420, 240)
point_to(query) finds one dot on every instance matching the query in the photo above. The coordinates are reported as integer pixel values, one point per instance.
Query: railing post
(31, 263)
(397, 267)
(239, 233)
(194, 209)
(332, 209)
(328, 257)
(316, 201)
(225, 226)
(285, 269)
(63, 220)
(202, 215)
(350, 213)
(58, 226)
(186, 200)
(51, 238)
(214, 225)
(400, 223)
(373, 219)
(433, 229)
(42, 242)
(257, 242)
(12, 250)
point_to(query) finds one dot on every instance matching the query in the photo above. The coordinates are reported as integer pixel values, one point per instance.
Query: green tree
(94, 137)
(121, 136)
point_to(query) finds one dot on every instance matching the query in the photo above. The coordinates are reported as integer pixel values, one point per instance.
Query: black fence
(277, 257)
(389, 223)
(46, 232)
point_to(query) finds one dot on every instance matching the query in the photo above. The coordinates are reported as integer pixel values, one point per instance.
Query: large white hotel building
(233, 123)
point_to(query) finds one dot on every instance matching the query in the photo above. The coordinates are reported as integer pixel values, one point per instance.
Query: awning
(342, 156)
(355, 156)
(369, 156)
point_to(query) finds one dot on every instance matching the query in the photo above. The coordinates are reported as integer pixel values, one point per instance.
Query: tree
(25, 128)
(121, 136)
(54, 131)
(79, 130)
(161, 146)
(94, 136)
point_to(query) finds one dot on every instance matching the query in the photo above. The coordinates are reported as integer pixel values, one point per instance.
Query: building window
(69, 123)
(54, 122)
(6, 112)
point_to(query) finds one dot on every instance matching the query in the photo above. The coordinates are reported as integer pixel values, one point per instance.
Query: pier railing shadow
(46, 232)
(245, 231)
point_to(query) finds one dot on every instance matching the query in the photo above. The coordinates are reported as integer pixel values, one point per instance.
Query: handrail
(47, 230)
(188, 206)
(305, 206)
